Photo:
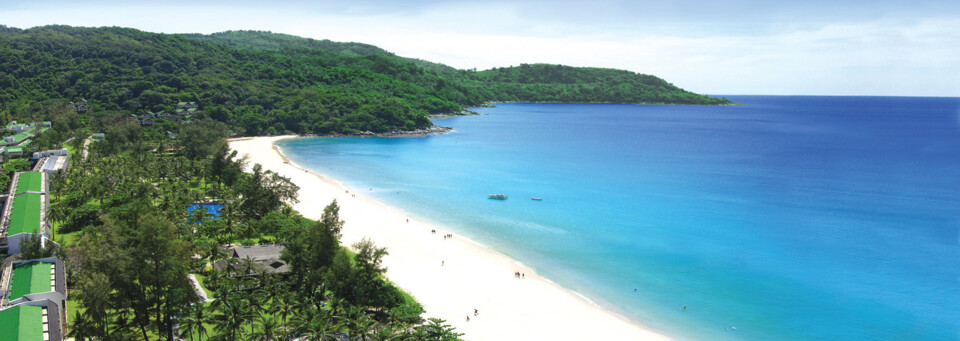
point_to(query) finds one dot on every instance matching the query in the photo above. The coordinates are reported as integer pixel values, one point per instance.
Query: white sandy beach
(473, 276)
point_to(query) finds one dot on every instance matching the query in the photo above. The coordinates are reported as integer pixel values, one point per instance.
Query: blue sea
(821, 218)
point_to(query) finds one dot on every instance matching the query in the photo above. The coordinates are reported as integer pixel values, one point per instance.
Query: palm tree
(192, 322)
(230, 315)
(213, 278)
(58, 213)
(83, 327)
(317, 324)
(436, 329)
(358, 323)
(320, 331)
(231, 266)
(281, 305)
(267, 328)
(387, 332)
(200, 316)
(248, 265)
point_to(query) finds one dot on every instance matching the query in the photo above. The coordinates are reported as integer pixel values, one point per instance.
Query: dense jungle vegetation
(264, 83)
(130, 245)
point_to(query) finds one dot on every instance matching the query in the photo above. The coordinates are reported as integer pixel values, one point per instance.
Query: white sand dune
(472, 276)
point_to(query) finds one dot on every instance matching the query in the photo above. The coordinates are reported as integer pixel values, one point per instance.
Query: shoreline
(450, 276)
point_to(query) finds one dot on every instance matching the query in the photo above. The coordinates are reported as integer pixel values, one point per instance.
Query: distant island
(263, 83)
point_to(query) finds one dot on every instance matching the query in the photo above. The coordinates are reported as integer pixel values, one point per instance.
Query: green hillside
(266, 40)
(266, 83)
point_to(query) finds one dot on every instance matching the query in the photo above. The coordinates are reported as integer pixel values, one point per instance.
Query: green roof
(29, 181)
(14, 149)
(14, 126)
(25, 214)
(30, 278)
(21, 136)
(22, 322)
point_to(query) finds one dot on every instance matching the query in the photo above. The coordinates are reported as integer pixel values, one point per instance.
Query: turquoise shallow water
(787, 218)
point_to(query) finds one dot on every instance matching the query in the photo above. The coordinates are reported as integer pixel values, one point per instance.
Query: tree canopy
(259, 82)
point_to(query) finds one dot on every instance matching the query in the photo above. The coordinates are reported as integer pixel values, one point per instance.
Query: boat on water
(497, 196)
(535, 198)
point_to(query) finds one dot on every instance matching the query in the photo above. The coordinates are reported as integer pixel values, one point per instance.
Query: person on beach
(523, 276)
(468, 318)
(475, 312)
(442, 262)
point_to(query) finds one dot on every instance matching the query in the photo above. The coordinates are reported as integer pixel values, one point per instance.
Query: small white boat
(497, 196)
(535, 198)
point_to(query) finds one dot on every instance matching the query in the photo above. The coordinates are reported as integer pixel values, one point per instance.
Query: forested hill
(276, 41)
(279, 42)
(559, 83)
(265, 83)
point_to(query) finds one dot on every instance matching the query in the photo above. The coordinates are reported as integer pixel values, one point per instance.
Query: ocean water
(824, 218)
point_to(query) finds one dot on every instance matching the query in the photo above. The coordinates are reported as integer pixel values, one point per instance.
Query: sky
(898, 48)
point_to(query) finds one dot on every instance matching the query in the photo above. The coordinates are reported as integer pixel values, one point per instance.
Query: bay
(789, 217)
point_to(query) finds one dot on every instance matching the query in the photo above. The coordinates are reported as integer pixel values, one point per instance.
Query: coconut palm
(266, 328)
(387, 332)
(357, 322)
(436, 329)
(317, 324)
(230, 315)
(192, 322)
(281, 304)
(248, 265)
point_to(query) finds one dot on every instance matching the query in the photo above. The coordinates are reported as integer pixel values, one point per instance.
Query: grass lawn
(201, 278)
(64, 239)
(72, 151)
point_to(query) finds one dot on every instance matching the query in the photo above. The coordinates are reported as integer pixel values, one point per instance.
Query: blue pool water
(787, 217)
(212, 209)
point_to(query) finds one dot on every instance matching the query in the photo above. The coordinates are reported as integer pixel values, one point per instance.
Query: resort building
(25, 212)
(33, 296)
(18, 138)
(51, 161)
(11, 151)
(51, 152)
(80, 106)
(187, 105)
(28, 182)
(33, 280)
(17, 128)
(33, 321)
(265, 257)
(33, 293)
